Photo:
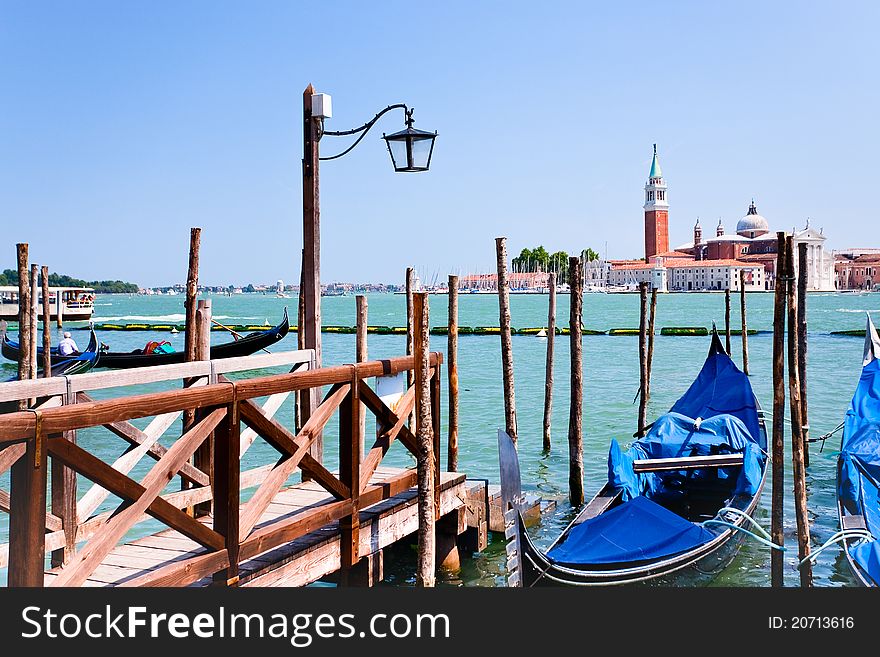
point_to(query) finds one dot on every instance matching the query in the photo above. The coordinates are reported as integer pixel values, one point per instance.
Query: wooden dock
(223, 525)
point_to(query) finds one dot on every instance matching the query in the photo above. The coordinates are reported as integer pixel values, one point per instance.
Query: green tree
(588, 255)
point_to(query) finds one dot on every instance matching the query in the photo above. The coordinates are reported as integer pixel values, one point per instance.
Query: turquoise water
(611, 379)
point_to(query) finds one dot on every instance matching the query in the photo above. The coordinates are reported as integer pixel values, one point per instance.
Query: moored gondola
(680, 498)
(247, 345)
(858, 470)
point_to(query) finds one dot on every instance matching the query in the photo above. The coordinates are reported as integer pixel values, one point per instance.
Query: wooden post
(778, 443)
(575, 413)
(651, 324)
(47, 313)
(797, 436)
(361, 357)
(227, 490)
(727, 320)
(643, 358)
(34, 314)
(452, 374)
(506, 348)
(350, 440)
(409, 284)
(311, 263)
(802, 347)
(548, 372)
(424, 427)
(24, 324)
(59, 309)
(302, 397)
(745, 326)
(190, 335)
(203, 456)
(27, 518)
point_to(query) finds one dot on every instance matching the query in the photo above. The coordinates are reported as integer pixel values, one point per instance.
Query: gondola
(63, 366)
(858, 470)
(245, 346)
(681, 497)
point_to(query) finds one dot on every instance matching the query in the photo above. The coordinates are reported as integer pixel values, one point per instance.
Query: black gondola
(679, 498)
(247, 345)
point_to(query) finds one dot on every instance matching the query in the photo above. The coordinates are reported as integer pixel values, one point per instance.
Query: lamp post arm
(364, 129)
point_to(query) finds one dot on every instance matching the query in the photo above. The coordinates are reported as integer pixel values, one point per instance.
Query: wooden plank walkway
(297, 563)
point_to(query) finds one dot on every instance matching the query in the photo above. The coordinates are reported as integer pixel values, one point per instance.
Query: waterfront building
(857, 269)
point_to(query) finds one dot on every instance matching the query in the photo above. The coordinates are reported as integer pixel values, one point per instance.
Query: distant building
(857, 270)
(656, 211)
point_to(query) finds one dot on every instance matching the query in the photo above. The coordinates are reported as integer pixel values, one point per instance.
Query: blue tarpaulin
(637, 530)
(717, 415)
(859, 477)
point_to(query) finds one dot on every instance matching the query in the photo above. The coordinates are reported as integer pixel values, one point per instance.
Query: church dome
(753, 224)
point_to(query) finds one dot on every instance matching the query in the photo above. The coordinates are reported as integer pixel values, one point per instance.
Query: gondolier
(67, 346)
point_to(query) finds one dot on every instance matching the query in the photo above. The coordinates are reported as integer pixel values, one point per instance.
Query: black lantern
(410, 149)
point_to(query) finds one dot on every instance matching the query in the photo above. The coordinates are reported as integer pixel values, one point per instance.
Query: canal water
(611, 380)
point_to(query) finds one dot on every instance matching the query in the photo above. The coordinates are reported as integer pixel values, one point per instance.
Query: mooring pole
(643, 358)
(797, 436)
(778, 445)
(575, 413)
(203, 458)
(361, 357)
(802, 346)
(452, 373)
(24, 324)
(424, 435)
(506, 348)
(47, 316)
(35, 299)
(410, 282)
(191, 334)
(548, 373)
(303, 396)
(745, 327)
(651, 317)
(727, 320)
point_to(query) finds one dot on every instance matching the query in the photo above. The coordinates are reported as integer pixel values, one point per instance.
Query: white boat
(77, 303)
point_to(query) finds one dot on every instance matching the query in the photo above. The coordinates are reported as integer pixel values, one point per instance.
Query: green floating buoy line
(438, 330)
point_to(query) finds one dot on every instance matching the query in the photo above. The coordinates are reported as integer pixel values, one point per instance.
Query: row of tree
(10, 277)
(540, 260)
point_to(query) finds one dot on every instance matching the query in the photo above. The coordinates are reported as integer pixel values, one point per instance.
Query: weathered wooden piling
(452, 373)
(745, 328)
(424, 435)
(778, 442)
(361, 356)
(59, 309)
(643, 358)
(727, 320)
(797, 436)
(203, 456)
(548, 374)
(302, 397)
(409, 283)
(34, 314)
(575, 413)
(652, 314)
(24, 305)
(47, 315)
(802, 346)
(192, 290)
(506, 347)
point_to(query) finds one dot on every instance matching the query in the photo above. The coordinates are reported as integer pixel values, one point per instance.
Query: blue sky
(122, 124)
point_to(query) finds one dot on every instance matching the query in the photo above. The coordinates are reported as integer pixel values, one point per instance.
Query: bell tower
(656, 211)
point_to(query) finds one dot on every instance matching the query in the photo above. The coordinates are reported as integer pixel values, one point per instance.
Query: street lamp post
(410, 151)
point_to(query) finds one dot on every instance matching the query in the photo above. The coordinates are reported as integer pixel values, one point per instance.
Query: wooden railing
(40, 443)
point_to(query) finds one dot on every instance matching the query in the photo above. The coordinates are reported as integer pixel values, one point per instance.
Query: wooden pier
(259, 528)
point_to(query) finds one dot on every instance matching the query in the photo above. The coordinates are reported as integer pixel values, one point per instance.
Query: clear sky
(122, 124)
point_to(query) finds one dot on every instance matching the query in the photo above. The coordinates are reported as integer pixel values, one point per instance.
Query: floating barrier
(684, 330)
(626, 331)
(856, 333)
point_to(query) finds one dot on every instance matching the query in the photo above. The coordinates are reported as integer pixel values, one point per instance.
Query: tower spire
(656, 211)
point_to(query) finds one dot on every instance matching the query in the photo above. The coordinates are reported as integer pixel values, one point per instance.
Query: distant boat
(541, 334)
(333, 292)
(78, 303)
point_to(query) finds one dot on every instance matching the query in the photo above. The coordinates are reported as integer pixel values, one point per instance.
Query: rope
(746, 516)
(843, 535)
(760, 539)
(826, 436)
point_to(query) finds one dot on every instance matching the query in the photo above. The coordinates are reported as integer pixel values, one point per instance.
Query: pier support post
(204, 455)
(409, 283)
(34, 314)
(797, 436)
(311, 262)
(350, 440)
(449, 527)
(802, 346)
(47, 313)
(27, 518)
(192, 291)
(777, 455)
(24, 324)
(575, 412)
(360, 357)
(303, 396)
(643, 358)
(651, 324)
(425, 575)
(452, 374)
(727, 321)
(226, 474)
(506, 347)
(548, 371)
(745, 327)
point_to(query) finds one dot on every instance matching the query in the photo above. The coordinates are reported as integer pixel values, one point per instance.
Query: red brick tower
(656, 211)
